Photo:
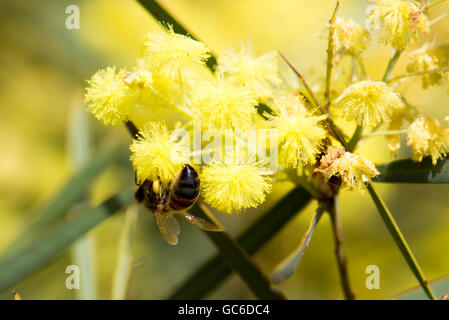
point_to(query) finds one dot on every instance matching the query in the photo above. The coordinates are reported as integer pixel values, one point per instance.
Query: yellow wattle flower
(399, 21)
(352, 169)
(257, 74)
(428, 137)
(427, 58)
(108, 98)
(300, 134)
(349, 36)
(368, 103)
(169, 54)
(223, 105)
(234, 187)
(155, 156)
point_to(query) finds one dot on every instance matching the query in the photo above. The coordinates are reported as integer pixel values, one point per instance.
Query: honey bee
(177, 198)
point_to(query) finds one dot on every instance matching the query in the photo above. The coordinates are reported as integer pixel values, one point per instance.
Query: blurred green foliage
(43, 71)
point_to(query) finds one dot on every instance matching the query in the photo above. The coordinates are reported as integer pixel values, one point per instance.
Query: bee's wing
(200, 223)
(168, 227)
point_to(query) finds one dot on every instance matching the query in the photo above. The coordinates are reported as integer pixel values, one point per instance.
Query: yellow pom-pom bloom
(223, 105)
(108, 97)
(400, 21)
(428, 137)
(428, 58)
(155, 156)
(168, 54)
(234, 187)
(349, 36)
(257, 74)
(369, 103)
(353, 170)
(300, 134)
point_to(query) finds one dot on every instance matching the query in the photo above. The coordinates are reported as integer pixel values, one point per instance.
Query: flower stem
(330, 56)
(391, 64)
(400, 240)
(441, 17)
(418, 73)
(430, 5)
(339, 252)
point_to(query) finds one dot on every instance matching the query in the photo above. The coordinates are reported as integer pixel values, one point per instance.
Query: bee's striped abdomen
(185, 190)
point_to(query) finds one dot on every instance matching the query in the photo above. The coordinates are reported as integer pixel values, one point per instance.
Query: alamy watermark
(72, 22)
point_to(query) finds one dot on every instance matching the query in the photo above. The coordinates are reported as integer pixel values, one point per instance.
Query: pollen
(349, 36)
(428, 137)
(155, 154)
(168, 54)
(351, 168)
(399, 21)
(234, 187)
(300, 134)
(368, 103)
(223, 105)
(257, 74)
(108, 98)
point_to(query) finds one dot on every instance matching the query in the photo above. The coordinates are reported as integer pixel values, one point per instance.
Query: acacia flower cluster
(171, 84)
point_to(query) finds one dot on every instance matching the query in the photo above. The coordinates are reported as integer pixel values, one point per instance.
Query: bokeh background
(44, 68)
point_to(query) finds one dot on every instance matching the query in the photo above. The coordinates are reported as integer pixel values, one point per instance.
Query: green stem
(355, 138)
(441, 17)
(330, 56)
(391, 64)
(434, 4)
(417, 73)
(337, 230)
(400, 240)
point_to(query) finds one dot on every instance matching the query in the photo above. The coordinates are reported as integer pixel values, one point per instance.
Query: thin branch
(330, 56)
(391, 64)
(339, 251)
(400, 240)
(334, 130)
(384, 133)
(417, 73)
(430, 5)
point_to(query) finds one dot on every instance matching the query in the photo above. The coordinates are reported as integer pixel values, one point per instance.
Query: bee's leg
(139, 194)
(135, 178)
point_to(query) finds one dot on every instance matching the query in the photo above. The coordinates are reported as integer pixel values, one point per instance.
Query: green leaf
(408, 171)
(288, 266)
(123, 266)
(15, 268)
(79, 154)
(69, 195)
(238, 259)
(440, 287)
(400, 240)
(212, 273)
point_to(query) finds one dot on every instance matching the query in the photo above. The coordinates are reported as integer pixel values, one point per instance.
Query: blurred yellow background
(43, 71)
